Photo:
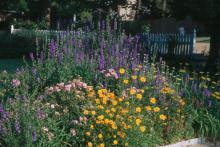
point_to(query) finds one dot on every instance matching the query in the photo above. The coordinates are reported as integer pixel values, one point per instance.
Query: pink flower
(67, 87)
(84, 85)
(57, 89)
(107, 75)
(16, 82)
(61, 85)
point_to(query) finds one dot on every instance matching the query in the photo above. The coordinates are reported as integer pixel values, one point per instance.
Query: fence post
(193, 41)
(12, 29)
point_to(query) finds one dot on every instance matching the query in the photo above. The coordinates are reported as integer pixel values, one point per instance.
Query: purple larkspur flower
(206, 92)
(34, 136)
(17, 126)
(60, 57)
(102, 57)
(41, 58)
(34, 71)
(41, 114)
(52, 48)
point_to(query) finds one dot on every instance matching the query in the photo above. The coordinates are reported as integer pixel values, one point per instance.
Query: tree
(207, 12)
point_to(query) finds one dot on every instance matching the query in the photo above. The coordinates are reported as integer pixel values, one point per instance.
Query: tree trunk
(212, 64)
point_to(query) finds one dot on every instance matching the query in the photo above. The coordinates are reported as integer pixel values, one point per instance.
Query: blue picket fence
(170, 43)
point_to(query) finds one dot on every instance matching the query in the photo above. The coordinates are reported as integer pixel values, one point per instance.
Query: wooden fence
(164, 43)
(171, 43)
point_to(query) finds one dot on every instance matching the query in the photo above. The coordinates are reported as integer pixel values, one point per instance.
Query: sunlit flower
(88, 133)
(142, 128)
(115, 142)
(138, 109)
(132, 91)
(89, 144)
(142, 79)
(148, 108)
(153, 100)
(101, 145)
(125, 81)
(134, 77)
(100, 117)
(100, 136)
(138, 121)
(122, 71)
(85, 112)
(139, 96)
(163, 117)
(156, 109)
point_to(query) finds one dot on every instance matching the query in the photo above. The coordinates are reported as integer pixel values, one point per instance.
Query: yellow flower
(110, 115)
(97, 101)
(93, 112)
(142, 91)
(89, 144)
(85, 112)
(91, 127)
(139, 96)
(138, 122)
(126, 81)
(113, 109)
(132, 91)
(142, 128)
(138, 109)
(100, 136)
(100, 117)
(153, 100)
(100, 107)
(122, 71)
(148, 108)
(126, 144)
(114, 126)
(106, 121)
(134, 77)
(142, 79)
(114, 102)
(107, 111)
(101, 145)
(163, 117)
(156, 109)
(115, 142)
(120, 99)
(88, 133)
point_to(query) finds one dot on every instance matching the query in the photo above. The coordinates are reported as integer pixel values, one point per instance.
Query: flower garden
(100, 88)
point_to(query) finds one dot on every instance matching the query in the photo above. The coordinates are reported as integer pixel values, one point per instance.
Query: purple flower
(60, 58)
(102, 57)
(206, 93)
(52, 48)
(41, 114)
(34, 136)
(17, 126)
(34, 71)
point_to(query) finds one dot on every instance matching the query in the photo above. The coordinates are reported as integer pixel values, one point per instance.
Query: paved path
(206, 145)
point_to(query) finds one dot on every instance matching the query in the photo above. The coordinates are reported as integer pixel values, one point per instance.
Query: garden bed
(104, 91)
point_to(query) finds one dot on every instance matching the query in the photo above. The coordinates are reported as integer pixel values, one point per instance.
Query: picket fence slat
(181, 44)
